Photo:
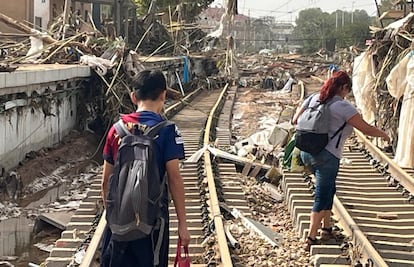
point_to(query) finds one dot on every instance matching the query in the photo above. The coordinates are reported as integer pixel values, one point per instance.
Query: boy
(149, 95)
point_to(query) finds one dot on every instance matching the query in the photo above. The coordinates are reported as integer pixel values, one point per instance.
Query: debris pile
(115, 60)
(382, 85)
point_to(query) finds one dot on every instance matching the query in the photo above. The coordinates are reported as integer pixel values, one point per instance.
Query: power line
(287, 2)
(299, 39)
(313, 3)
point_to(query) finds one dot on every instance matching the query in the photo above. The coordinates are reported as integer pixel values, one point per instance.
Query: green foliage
(191, 8)
(316, 29)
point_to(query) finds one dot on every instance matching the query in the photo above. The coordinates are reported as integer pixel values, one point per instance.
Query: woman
(325, 165)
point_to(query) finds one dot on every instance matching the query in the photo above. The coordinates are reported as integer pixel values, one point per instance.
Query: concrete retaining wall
(38, 107)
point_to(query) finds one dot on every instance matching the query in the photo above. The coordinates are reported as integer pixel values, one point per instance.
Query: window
(38, 23)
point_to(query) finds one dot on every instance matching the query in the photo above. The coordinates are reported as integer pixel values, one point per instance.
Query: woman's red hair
(331, 87)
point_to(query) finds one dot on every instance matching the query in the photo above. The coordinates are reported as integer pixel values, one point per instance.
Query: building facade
(23, 13)
(40, 13)
(250, 34)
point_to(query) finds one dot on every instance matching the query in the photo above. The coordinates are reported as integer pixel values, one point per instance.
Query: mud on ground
(67, 162)
(78, 149)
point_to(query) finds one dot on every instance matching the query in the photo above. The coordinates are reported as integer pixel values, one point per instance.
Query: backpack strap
(157, 249)
(331, 101)
(153, 131)
(121, 129)
(328, 103)
(337, 132)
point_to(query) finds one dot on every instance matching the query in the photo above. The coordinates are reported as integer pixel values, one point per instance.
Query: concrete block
(295, 190)
(87, 205)
(73, 72)
(296, 185)
(299, 212)
(83, 218)
(68, 243)
(325, 249)
(51, 75)
(93, 199)
(80, 226)
(301, 202)
(95, 186)
(83, 71)
(334, 265)
(85, 211)
(303, 227)
(3, 79)
(16, 79)
(68, 234)
(57, 262)
(293, 197)
(64, 74)
(31, 77)
(62, 252)
(94, 192)
(330, 259)
(302, 217)
(40, 76)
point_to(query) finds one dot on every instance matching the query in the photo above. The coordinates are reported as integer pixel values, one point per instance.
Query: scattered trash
(79, 256)
(264, 232)
(346, 161)
(273, 191)
(44, 247)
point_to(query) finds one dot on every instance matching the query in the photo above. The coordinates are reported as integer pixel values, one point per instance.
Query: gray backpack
(313, 128)
(134, 202)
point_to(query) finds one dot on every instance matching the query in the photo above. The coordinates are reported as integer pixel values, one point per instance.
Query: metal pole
(379, 13)
(118, 17)
(352, 12)
(336, 19)
(126, 25)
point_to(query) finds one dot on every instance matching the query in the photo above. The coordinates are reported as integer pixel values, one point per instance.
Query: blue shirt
(170, 144)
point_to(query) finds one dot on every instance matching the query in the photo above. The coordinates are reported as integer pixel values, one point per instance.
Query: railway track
(373, 208)
(195, 116)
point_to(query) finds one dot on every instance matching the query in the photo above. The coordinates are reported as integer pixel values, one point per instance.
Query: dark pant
(136, 253)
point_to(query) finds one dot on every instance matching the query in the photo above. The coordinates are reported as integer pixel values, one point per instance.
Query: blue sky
(285, 10)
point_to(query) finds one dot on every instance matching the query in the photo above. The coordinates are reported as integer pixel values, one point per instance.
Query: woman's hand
(385, 136)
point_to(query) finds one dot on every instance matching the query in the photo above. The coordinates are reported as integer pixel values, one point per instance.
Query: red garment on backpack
(179, 260)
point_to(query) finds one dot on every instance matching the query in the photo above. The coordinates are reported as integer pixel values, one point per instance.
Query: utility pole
(342, 18)
(248, 30)
(245, 35)
(254, 38)
(352, 12)
(379, 13)
(336, 19)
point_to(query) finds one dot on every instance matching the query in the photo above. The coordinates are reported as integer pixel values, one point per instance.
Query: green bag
(287, 158)
(291, 159)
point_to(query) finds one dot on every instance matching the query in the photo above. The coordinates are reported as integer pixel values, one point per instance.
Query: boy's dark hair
(149, 84)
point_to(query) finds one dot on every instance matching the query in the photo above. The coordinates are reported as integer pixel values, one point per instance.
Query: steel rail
(358, 237)
(350, 226)
(214, 203)
(403, 177)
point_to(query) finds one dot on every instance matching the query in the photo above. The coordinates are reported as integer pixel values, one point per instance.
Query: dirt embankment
(76, 152)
